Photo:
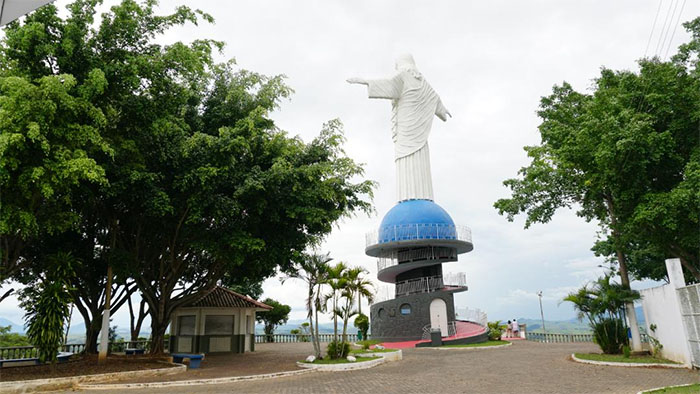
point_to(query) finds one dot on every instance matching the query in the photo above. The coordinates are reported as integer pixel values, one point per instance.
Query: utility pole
(539, 294)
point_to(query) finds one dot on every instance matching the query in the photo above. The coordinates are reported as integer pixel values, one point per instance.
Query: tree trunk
(92, 330)
(158, 336)
(636, 344)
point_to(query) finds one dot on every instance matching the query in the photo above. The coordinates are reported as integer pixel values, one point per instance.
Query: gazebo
(222, 321)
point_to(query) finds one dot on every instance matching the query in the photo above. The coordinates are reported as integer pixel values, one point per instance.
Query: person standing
(509, 329)
(516, 329)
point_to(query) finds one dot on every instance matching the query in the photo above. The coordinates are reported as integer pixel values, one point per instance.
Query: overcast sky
(490, 61)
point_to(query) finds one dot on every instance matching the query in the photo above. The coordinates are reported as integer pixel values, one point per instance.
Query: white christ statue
(414, 103)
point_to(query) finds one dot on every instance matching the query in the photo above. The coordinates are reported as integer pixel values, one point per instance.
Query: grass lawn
(357, 351)
(694, 388)
(481, 344)
(340, 360)
(368, 342)
(619, 358)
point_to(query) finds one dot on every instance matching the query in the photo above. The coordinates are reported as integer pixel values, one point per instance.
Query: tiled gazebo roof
(222, 297)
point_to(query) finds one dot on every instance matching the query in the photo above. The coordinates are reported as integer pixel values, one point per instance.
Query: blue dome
(416, 219)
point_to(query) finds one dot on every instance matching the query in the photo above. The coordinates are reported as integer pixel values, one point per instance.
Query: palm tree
(603, 304)
(313, 270)
(337, 281)
(360, 286)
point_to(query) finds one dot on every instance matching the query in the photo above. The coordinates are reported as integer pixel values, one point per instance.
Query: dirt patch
(82, 365)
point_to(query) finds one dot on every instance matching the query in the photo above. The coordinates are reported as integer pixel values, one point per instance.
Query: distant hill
(571, 326)
(14, 327)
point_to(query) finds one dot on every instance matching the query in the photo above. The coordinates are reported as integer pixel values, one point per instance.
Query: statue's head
(405, 62)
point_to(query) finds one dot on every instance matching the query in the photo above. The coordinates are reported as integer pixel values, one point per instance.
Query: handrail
(552, 337)
(418, 231)
(18, 352)
(294, 338)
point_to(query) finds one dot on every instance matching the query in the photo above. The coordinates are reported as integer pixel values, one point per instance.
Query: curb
(29, 386)
(632, 365)
(194, 381)
(342, 367)
(474, 347)
(665, 387)
(388, 356)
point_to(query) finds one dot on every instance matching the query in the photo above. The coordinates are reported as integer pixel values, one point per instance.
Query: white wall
(661, 307)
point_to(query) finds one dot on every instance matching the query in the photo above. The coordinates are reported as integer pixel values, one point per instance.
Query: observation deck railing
(421, 285)
(418, 231)
(418, 254)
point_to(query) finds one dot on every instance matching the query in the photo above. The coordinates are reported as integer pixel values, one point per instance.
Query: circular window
(405, 309)
(381, 314)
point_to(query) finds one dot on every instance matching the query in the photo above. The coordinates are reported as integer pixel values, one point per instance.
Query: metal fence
(415, 231)
(293, 338)
(550, 337)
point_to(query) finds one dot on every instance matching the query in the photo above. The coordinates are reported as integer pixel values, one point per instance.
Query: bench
(133, 351)
(195, 359)
(62, 357)
(23, 361)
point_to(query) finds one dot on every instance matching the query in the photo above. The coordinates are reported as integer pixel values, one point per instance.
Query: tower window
(405, 309)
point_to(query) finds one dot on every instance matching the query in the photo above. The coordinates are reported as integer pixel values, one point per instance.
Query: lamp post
(539, 294)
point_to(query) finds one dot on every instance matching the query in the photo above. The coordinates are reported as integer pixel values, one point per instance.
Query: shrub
(338, 349)
(362, 324)
(496, 330)
(610, 334)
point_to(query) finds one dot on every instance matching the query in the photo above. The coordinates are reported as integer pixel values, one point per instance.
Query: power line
(653, 26)
(661, 34)
(670, 23)
(675, 27)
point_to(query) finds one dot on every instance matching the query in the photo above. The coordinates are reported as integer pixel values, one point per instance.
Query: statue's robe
(414, 104)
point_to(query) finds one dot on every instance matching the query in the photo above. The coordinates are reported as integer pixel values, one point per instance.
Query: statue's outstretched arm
(359, 81)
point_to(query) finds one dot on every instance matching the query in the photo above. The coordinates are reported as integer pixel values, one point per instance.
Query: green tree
(201, 184)
(360, 286)
(609, 154)
(279, 314)
(603, 303)
(47, 306)
(337, 282)
(10, 339)
(313, 270)
(362, 324)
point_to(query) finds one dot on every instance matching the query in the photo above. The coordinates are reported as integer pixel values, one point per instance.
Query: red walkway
(464, 330)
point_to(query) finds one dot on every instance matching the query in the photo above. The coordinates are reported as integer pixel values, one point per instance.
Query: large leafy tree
(200, 182)
(614, 155)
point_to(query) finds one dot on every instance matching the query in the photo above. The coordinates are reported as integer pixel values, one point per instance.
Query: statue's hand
(356, 80)
(443, 115)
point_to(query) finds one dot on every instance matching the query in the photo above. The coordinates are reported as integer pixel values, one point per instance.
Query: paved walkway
(524, 367)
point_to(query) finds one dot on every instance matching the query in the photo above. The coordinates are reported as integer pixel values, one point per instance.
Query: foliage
(611, 335)
(362, 324)
(47, 306)
(496, 330)
(341, 360)
(184, 178)
(338, 349)
(8, 339)
(313, 270)
(243, 284)
(602, 303)
(656, 346)
(279, 314)
(626, 155)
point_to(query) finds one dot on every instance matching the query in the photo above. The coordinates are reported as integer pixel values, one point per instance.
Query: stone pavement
(524, 367)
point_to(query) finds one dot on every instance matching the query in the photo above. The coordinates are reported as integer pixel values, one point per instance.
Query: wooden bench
(195, 359)
(133, 351)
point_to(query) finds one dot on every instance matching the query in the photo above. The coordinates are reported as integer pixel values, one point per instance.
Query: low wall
(661, 307)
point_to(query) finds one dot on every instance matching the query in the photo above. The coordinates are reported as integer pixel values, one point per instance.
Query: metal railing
(417, 254)
(551, 337)
(473, 315)
(451, 330)
(294, 338)
(430, 284)
(416, 231)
